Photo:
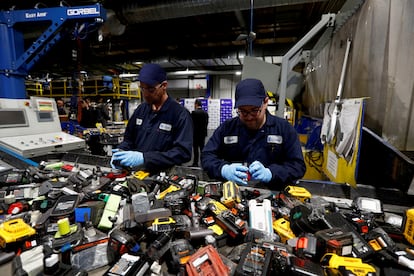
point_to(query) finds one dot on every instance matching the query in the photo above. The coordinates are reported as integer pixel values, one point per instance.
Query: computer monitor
(13, 117)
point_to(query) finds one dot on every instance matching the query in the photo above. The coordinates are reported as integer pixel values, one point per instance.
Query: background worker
(61, 107)
(103, 111)
(200, 122)
(88, 119)
(256, 142)
(159, 133)
(89, 116)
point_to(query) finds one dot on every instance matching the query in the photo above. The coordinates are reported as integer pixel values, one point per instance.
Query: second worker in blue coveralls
(256, 142)
(159, 134)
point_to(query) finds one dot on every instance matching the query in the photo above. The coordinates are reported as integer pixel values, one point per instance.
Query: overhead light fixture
(127, 75)
(241, 37)
(249, 37)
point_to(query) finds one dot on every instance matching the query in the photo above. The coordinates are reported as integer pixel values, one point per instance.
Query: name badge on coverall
(274, 139)
(165, 127)
(138, 122)
(231, 139)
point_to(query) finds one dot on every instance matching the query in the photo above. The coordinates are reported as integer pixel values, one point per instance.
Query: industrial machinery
(15, 61)
(31, 127)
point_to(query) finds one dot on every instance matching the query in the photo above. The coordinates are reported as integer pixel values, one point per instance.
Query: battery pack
(334, 240)
(408, 226)
(260, 215)
(129, 265)
(360, 247)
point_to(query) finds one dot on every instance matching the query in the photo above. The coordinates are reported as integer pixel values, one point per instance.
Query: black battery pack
(360, 247)
(129, 265)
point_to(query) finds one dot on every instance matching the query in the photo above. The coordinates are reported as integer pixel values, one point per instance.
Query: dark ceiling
(184, 34)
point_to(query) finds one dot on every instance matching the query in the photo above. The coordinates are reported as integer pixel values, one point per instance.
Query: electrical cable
(315, 160)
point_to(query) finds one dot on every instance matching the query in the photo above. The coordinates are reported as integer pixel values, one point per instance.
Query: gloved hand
(260, 172)
(127, 159)
(235, 172)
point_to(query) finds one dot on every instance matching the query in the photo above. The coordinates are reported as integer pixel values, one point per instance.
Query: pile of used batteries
(71, 220)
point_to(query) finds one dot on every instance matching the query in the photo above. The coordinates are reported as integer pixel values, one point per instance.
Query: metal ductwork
(139, 12)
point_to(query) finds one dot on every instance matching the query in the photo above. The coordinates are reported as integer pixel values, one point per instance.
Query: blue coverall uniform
(275, 145)
(164, 137)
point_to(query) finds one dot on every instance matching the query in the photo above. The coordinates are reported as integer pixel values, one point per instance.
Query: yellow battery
(282, 228)
(231, 194)
(298, 192)
(340, 264)
(408, 226)
(216, 229)
(216, 207)
(14, 230)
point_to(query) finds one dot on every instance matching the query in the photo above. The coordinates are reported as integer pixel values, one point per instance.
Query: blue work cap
(152, 74)
(250, 92)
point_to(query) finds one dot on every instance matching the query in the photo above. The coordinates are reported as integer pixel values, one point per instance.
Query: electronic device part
(15, 177)
(408, 225)
(231, 224)
(162, 224)
(120, 243)
(368, 204)
(299, 193)
(182, 222)
(334, 240)
(177, 201)
(346, 265)
(14, 230)
(282, 228)
(199, 233)
(110, 211)
(64, 206)
(230, 194)
(300, 266)
(260, 216)
(303, 220)
(181, 251)
(170, 189)
(206, 261)
(29, 262)
(254, 260)
(216, 207)
(91, 211)
(129, 265)
(73, 238)
(212, 190)
(360, 247)
(159, 246)
(152, 214)
(283, 199)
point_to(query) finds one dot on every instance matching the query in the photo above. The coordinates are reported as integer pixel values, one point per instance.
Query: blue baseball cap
(250, 92)
(152, 74)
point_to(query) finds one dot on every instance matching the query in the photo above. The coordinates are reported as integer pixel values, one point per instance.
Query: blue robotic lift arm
(15, 61)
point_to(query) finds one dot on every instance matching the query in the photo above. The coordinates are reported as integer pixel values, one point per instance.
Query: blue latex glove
(235, 172)
(127, 159)
(260, 172)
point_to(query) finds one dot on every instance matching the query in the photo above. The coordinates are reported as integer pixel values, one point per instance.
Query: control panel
(31, 127)
(40, 144)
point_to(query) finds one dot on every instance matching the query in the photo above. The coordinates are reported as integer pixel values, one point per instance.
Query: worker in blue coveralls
(255, 143)
(159, 133)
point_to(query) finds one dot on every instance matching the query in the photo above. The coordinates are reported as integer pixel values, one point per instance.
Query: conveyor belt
(9, 158)
(393, 200)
